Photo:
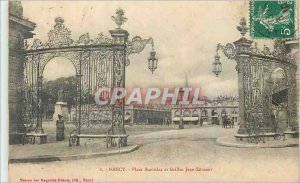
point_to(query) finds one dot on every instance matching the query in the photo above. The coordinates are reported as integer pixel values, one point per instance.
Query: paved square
(177, 150)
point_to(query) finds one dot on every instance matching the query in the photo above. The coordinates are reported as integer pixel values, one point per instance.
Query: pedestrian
(201, 121)
(60, 129)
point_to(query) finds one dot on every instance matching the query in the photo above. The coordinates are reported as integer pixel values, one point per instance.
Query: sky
(185, 36)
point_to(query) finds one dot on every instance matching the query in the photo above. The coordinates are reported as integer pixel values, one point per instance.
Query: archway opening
(195, 113)
(215, 117)
(234, 116)
(58, 67)
(59, 90)
(279, 98)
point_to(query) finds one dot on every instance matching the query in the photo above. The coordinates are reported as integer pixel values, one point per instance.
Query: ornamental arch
(195, 113)
(99, 62)
(256, 90)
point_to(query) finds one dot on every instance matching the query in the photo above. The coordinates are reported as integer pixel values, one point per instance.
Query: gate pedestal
(39, 138)
(117, 142)
(291, 134)
(62, 109)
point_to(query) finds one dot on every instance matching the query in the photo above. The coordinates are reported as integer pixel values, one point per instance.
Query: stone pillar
(292, 48)
(62, 109)
(19, 30)
(120, 38)
(243, 58)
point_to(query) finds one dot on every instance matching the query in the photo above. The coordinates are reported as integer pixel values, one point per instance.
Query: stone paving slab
(230, 141)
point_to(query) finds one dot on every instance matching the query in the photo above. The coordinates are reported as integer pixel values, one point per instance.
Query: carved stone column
(120, 37)
(243, 58)
(19, 30)
(293, 125)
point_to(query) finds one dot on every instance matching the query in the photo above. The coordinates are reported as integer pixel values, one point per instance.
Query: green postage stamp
(272, 19)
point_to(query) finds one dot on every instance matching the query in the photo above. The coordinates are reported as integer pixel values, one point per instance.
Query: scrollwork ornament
(101, 78)
(266, 51)
(101, 39)
(117, 116)
(74, 57)
(118, 69)
(228, 50)
(59, 35)
(279, 49)
(137, 44)
(84, 39)
(73, 139)
(127, 61)
(255, 49)
(37, 44)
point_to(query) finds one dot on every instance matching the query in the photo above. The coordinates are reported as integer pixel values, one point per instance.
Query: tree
(50, 93)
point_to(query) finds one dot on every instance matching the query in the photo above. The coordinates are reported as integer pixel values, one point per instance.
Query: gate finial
(119, 19)
(60, 35)
(243, 27)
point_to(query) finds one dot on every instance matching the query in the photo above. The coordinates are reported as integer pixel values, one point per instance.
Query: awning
(186, 119)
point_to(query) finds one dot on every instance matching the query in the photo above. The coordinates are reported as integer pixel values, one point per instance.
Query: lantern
(217, 66)
(152, 61)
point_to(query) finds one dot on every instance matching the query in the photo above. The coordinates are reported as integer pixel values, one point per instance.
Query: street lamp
(181, 92)
(241, 52)
(152, 61)
(217, 65)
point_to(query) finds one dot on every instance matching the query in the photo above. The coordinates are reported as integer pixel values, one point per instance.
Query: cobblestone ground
(166, 155)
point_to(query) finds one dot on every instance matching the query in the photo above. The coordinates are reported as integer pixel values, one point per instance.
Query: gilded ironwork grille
(99, 63)
(258, 91)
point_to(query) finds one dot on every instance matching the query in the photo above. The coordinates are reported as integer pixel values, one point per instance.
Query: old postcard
(153, 91)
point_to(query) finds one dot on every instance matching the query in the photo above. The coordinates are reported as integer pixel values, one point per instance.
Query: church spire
(186, 81)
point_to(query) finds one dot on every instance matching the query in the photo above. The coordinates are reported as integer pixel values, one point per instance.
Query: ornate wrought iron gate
(257, 85)
(98, 63)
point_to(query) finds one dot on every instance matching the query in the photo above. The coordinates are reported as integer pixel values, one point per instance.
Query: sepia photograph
(153, 91)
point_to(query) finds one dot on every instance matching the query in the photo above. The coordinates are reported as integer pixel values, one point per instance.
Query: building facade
(149, 115)
(20, 28)
(208, 112)
(134, 115)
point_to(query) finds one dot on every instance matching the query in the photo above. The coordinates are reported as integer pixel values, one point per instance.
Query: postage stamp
(272, 19)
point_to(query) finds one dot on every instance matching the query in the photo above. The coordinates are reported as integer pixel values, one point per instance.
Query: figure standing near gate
(60, 129)
(201, 121)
